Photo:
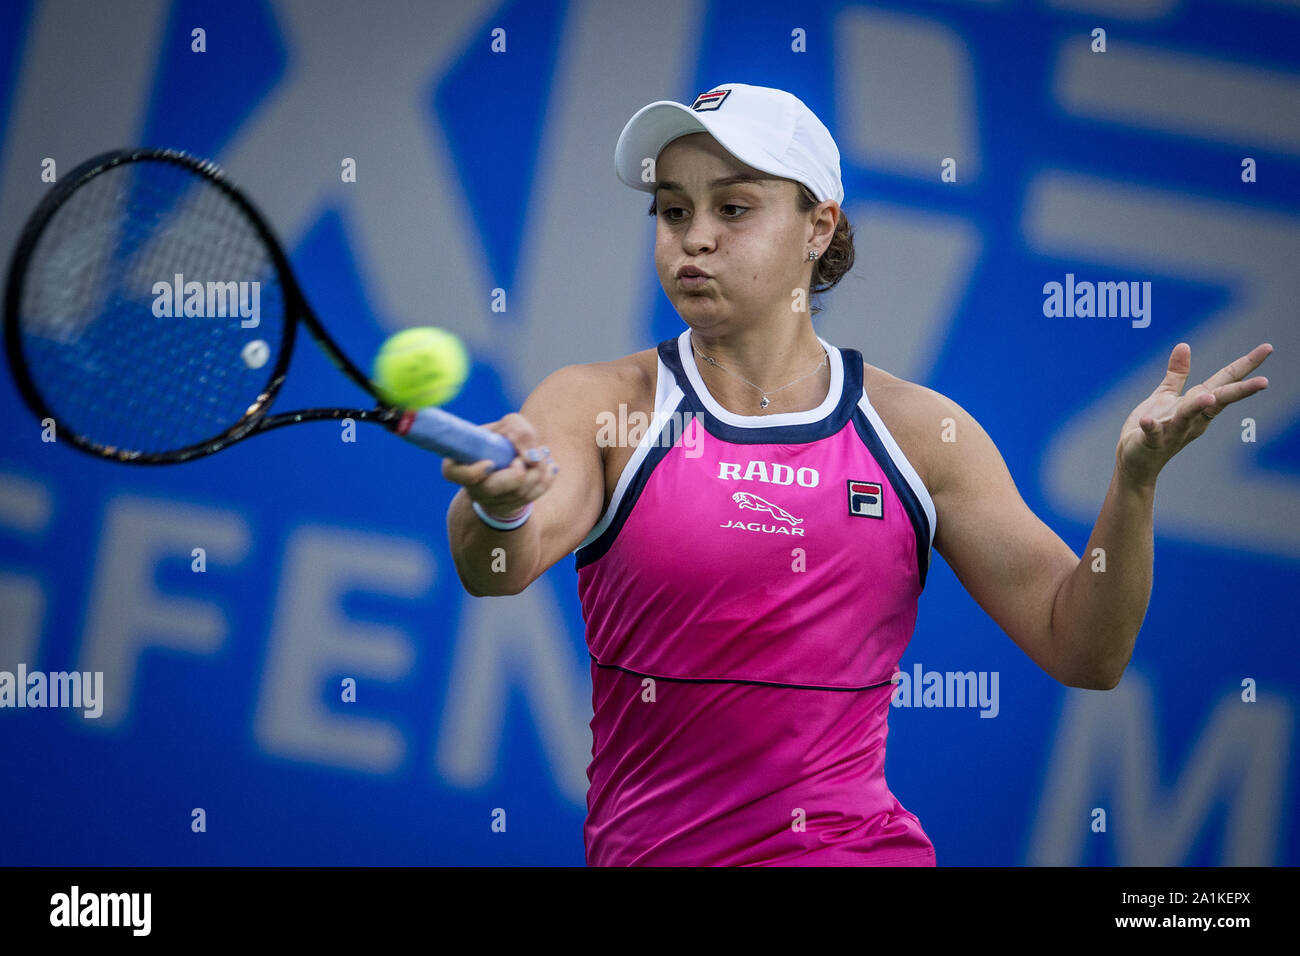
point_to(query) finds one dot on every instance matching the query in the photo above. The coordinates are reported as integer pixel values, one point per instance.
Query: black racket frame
(256, 419)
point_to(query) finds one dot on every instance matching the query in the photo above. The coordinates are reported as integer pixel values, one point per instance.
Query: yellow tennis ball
(420, 367)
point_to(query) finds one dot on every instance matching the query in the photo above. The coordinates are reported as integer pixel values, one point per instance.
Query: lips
(686, 272)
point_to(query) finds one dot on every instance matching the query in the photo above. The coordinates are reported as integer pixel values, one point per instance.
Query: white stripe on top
(900, 461)
(687, 355)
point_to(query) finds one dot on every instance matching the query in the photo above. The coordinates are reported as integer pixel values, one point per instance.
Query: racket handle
(453, 437)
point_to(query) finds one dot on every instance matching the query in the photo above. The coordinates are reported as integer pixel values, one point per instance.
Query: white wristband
(502, 524)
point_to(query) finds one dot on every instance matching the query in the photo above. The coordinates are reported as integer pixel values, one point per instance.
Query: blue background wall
(482, 170)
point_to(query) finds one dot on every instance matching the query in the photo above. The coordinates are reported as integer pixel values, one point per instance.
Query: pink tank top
(747, 596)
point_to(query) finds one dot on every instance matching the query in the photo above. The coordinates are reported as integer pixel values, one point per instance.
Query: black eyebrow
(725, 181)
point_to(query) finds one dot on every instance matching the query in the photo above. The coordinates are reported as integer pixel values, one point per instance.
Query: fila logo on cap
(866, 499)
(710, 100)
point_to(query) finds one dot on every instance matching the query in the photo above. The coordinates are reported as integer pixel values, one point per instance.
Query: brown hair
(832, 264)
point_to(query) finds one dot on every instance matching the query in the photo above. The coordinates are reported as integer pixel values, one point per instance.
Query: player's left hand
(1167, 421)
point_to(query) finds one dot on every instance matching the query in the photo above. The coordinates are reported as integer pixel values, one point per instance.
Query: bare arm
(1100, 606)
(1077, 619)
(1009, 561)
(560, 415)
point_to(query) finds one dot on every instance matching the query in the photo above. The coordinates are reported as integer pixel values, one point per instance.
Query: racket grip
(453, 437)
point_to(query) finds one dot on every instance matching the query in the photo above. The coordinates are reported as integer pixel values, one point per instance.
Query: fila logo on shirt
(779, 475)
(866, 499)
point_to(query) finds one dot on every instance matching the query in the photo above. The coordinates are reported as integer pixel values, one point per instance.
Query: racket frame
(296, 309)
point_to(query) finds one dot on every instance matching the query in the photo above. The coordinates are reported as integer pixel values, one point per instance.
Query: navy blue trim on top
(799, 434)
(659, 449)
(911, 504)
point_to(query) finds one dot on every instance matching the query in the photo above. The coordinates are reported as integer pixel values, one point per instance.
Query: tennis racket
(150, 313)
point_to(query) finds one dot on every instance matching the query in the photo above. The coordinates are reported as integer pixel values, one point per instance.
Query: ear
(825, 217)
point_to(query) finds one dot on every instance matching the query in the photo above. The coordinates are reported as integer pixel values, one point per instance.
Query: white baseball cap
(768, 129)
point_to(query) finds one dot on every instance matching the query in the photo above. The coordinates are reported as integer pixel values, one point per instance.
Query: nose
(698, 236)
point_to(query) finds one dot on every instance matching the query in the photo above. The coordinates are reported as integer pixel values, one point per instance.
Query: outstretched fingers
(1236, 370)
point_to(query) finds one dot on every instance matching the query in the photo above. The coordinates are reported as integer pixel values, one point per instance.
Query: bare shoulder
(579, 398)
(630, 382)
(918, 418)
(959, 458)
(632, 377)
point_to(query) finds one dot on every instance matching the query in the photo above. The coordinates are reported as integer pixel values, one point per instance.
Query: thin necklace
(762, 391)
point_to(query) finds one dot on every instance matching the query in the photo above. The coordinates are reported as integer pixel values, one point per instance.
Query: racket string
(103, 344)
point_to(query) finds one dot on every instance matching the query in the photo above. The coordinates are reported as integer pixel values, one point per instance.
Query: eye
(666, 213)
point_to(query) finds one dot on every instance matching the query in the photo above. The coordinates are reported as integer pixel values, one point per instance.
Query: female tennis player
(749, 568)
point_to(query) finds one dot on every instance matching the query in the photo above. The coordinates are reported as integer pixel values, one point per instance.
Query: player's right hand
(507, 490)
